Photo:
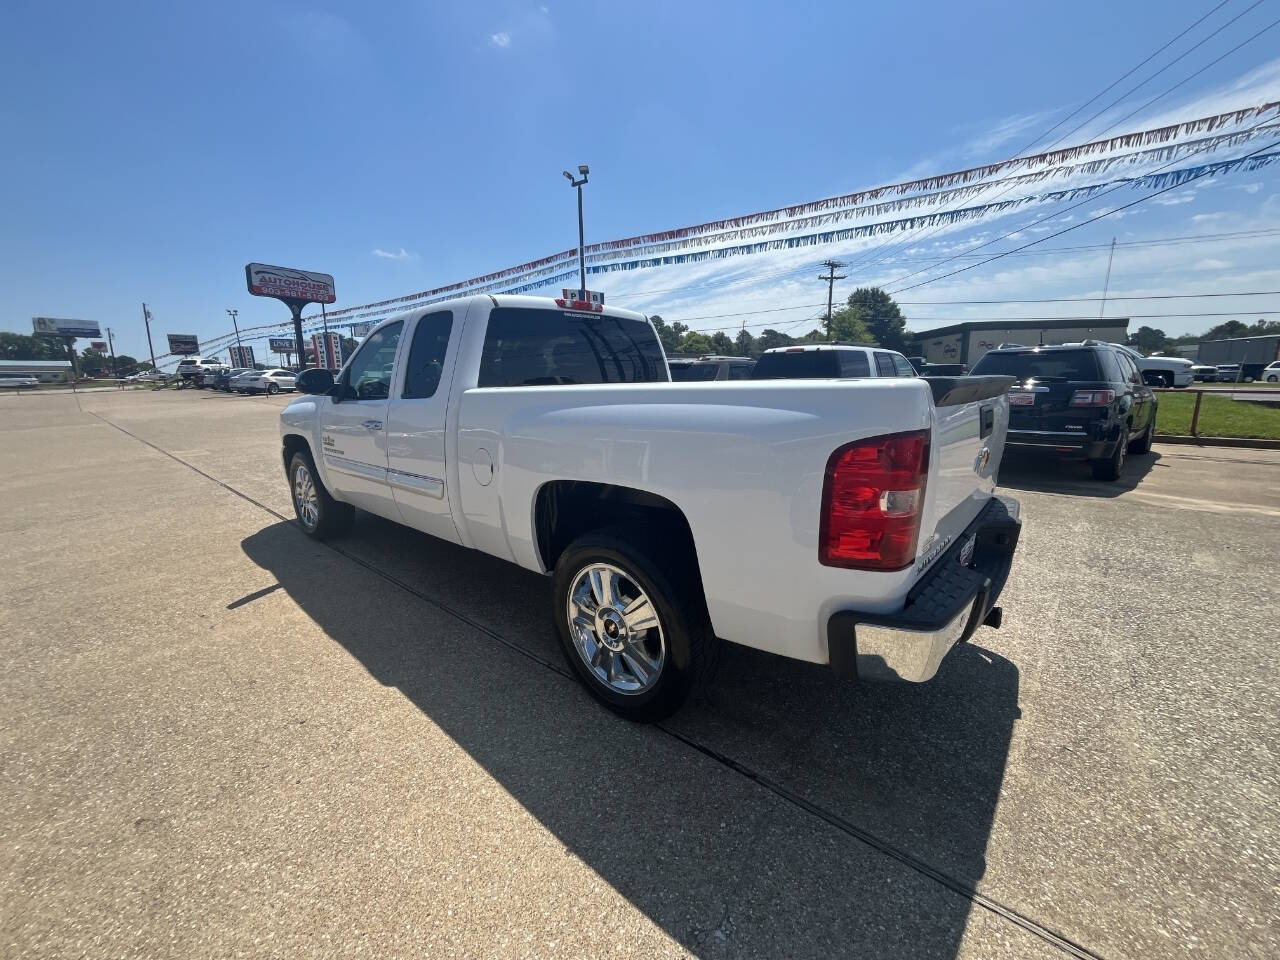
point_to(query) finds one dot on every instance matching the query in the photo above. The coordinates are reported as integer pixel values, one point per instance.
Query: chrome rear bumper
(944, 608)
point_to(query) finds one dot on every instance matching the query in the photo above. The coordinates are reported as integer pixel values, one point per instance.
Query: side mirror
(317, 380)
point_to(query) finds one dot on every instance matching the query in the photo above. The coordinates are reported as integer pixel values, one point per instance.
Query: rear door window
(900, 364)
(884, 365)
(739, 371)
(426, 355)
(526, 347)
(854, 363)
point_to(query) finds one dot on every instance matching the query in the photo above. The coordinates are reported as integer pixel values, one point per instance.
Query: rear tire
(272, 389)
(1143, 443)
(319, 515)
(1111, 468)
(655, 666)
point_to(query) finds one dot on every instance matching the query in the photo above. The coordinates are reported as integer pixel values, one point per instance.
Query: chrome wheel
(304, 497)
(615, 629)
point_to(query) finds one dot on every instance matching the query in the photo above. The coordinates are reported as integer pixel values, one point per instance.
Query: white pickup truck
(843, 522)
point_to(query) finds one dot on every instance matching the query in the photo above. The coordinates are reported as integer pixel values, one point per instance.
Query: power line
(1076, 226)
(1179, 57)
(1114, 83)
(1092, 197)
(941, 226)
(1218, 237)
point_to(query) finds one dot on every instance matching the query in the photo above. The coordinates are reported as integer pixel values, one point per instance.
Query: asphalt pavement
(220, 738)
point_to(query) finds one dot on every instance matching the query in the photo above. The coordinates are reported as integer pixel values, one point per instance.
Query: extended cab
(849, 523)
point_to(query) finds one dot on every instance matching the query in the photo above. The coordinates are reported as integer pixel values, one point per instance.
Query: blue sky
(154, 149)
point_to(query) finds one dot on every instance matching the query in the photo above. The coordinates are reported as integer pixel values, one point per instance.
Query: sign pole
(296, 307)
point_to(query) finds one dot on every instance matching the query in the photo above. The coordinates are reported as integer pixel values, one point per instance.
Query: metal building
(966, 342)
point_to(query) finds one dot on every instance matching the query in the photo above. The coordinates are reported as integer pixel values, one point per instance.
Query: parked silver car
(266, 381)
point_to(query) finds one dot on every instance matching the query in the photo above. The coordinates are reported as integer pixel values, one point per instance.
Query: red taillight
(1092, 398)
(871, 502)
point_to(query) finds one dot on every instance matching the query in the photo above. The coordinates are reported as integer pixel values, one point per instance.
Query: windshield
(687, 372)
(1053, 364)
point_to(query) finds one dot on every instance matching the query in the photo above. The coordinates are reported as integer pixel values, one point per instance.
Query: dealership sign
(54, 327)
(183, 343)
(360, 330)
(289, 285)
(282, 345)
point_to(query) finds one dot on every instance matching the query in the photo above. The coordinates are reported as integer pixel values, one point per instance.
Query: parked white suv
(1161, 371)
(188, 367)
(822, 360)
(1271, 373)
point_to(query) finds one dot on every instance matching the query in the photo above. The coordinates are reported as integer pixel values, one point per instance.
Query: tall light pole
(236, 327)
(582, 254)
(146, 319)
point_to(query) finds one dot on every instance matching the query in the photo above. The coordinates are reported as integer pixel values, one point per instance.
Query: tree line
(1154, 340)
(92, 363)
(869, 316)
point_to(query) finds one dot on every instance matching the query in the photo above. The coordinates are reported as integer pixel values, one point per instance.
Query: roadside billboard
(58, 327)
(99, 345)
(288, 284)
(183, 343)
(360, 330)
(282, 345)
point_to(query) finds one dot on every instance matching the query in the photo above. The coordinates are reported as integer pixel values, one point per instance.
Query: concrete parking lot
(220, 738)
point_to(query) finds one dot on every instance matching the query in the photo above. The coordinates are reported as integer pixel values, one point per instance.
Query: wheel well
(293, 444)
(566, 509)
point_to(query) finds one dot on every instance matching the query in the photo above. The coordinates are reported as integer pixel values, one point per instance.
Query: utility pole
(236, 327)
(146, 319)
(582, 254)
(112, 344)
(1106, 284)
(831, 277)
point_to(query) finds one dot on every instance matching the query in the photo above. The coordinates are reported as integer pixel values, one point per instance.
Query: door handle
(373, 424)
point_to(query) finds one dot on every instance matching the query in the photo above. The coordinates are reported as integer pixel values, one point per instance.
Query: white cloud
(1209, 263)
(1173, 199)
(545, 10)
(401, 254)
(501, 40)
(1249, 187)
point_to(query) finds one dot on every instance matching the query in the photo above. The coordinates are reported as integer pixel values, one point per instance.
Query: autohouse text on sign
(285, 283)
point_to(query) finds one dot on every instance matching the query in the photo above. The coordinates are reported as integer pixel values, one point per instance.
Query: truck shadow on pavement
(725, 865)
(1049, 473)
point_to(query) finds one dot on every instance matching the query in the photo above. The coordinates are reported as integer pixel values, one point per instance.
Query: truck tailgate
(971, 418)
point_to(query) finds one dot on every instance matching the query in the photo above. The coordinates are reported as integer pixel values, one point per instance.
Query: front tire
(633, 624)
(1272, 379)
(319, 515)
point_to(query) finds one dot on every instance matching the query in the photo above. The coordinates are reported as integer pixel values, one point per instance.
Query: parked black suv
(1084, 399)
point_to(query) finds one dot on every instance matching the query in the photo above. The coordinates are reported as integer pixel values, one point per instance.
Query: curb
(1250, 442)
